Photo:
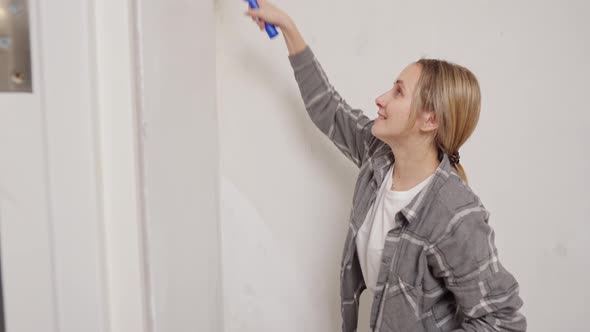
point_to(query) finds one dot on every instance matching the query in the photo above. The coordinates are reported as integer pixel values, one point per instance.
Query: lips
(381, 115)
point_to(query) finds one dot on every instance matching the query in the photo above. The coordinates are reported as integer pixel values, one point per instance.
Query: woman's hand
(268, 12)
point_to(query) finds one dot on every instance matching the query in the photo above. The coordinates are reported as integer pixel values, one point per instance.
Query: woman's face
(394, 106)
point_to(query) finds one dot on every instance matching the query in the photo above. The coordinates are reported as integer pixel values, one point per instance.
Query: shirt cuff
(301, 57)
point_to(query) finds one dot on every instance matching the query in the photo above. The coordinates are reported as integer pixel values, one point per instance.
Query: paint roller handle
(269, 13)
(271, 30)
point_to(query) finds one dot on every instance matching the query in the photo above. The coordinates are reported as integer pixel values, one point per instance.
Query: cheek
(398, 116)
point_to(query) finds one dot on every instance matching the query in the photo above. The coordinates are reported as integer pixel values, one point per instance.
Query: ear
(430, 122)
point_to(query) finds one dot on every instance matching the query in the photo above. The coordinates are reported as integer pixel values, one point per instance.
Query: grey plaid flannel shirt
(440, 269)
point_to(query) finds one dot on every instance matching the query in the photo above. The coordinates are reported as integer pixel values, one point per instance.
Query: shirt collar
(383, 158)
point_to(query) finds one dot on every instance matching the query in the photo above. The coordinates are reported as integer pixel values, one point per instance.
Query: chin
(377, 129)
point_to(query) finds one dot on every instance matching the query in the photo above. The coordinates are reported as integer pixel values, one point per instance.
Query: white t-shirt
(380, 219)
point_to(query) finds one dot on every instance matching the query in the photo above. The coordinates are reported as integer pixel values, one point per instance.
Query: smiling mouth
(381, 116)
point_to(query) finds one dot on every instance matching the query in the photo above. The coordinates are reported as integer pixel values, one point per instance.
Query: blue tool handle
(271, 30)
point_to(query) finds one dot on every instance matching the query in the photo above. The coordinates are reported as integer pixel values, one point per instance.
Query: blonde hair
(452, 92)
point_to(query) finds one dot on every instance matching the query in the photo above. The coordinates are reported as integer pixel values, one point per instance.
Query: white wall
(108, 176)
(120, 207)
(180, 163)
(286, 191)
(147, 128)
(52, 244)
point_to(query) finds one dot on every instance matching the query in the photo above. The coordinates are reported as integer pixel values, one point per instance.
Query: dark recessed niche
(15, 57)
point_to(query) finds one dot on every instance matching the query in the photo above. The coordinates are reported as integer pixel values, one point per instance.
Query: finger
(258, 22)
(255, 19)
(252, 12)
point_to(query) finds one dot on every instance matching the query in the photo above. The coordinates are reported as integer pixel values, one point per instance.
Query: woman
(419, 238)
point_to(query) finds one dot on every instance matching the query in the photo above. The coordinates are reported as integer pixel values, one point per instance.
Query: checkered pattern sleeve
(348, 128)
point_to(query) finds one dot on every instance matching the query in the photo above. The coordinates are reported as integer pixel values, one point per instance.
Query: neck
(413, 165)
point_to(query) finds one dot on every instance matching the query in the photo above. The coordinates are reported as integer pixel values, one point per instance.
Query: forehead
(410, 75)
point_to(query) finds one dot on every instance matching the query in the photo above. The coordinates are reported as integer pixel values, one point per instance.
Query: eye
(398, 90)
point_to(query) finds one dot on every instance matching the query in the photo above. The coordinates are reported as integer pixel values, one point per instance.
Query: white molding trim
(124, 231)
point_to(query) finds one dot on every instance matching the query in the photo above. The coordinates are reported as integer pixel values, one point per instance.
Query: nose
(378, 102)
